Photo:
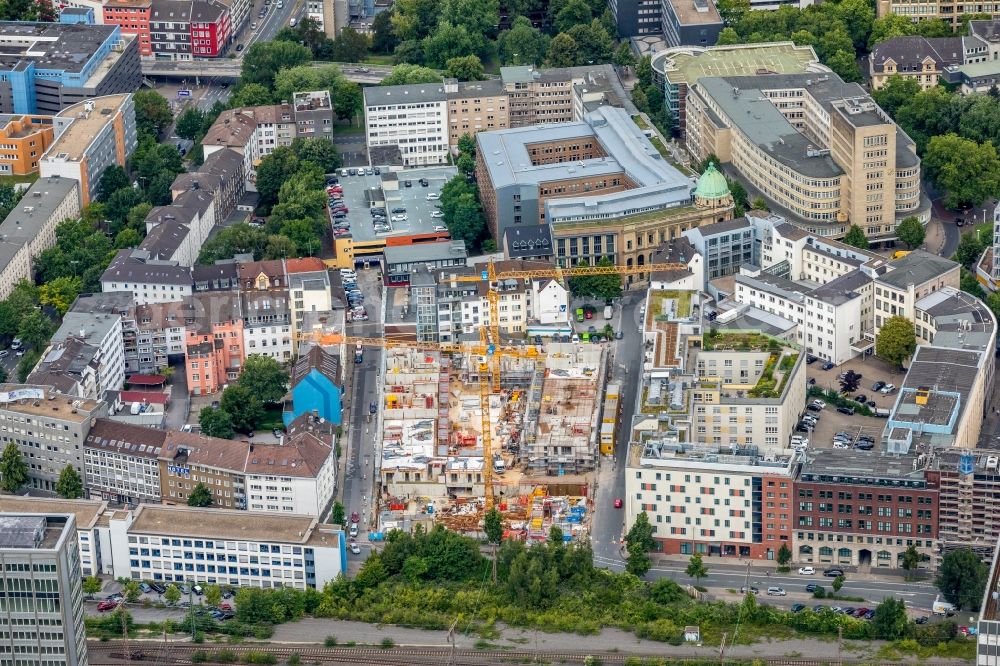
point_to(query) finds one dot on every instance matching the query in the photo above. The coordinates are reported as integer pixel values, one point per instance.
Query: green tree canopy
(13, 469)
(897, 341)
(403, 74)
(493, 526)
(890, 620)
(911, 232)
(243, 406)
(968, 171)
(522, 44)
(696, 567)
(69, 485)
(60, 293)
(35, 329)
(856, 237)
(200, 496)
(172, 595)
(563, 51)
(152, 112)
(215, 422)
(962, 578)
(263, 60)
(264, 378)
(465, 68)
(596, 286)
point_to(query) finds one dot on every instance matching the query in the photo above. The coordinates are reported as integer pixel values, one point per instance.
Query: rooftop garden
(658, 299)
(721, 340)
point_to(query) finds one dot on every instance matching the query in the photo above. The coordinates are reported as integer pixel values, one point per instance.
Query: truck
(881, 413)
(579, 314)
(359, 353)
(942, 607)
(609, 311)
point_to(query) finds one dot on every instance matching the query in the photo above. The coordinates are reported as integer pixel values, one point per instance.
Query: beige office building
(818, 149)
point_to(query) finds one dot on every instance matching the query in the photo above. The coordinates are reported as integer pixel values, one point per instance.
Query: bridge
(230, 69)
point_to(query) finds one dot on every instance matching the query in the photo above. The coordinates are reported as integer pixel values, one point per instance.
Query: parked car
(106, 605)
(796, 608)
(355, 549)
(437, 214)
(440, 228)
(860, 612)
(353, 530)
(803, 427)
(862, 398)
(776, 591)
(806, 571)
(810, 358)
(618, 503)
(833, 572)
(828, 366)
(819, 403)
(398, 209)
(846, 410)
(407, 183)
(145, 588)
(753, 590)
(877, 386)
(813, 408)
(887, 389)
(812, 587)
(841, 445)
(424, 182)
(399, 218)
(159, 588)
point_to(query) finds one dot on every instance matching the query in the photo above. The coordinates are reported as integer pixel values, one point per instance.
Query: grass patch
(640, 122)
(272, 419)
(739, 341)
(959, 648)
(682, 299)
(660, 148)
(14, 180)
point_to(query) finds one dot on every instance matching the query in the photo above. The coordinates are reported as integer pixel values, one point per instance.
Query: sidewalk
(738, 565)
(934, 239)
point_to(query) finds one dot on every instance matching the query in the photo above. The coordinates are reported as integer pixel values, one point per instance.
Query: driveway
(180, 401)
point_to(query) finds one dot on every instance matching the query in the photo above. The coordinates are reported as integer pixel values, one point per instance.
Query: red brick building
(132, 16)
(863, 509)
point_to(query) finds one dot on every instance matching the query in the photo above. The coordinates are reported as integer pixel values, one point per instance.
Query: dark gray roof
(916, 268)
(488, 88)
(135, 266)
(414, 93)
(773, 284)
(856, 467)
(726, 226)
(222, 275)
(987, 30)
(315, 358)
(790, 231)
(944, 369)
(223, 163)
(841, 289)
(56, 46)
(524, 241)
(165, 239)
(909, 52)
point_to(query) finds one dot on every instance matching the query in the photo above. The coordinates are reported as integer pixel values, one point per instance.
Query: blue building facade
(316, 387)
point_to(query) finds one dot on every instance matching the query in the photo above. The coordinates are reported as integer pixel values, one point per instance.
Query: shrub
(294, 659)
(387, 643)
(259, 658)
(331, 641)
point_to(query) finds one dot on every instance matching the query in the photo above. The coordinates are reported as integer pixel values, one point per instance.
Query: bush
(820, 592)
(387, 643)
(294, 659)
(331, 641)
(259, 658)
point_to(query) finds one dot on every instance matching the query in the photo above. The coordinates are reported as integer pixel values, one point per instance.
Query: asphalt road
(275, 20)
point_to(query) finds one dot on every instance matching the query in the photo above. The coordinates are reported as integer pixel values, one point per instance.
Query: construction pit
(544, 439)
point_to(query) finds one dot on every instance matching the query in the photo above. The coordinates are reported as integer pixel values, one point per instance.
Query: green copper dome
(712, 184)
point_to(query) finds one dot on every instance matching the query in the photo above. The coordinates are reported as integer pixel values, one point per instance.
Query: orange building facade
(214, 358)
(23, 140)
(132, 16)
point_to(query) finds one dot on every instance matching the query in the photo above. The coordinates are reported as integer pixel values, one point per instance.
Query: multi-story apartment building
(30, 227)
(188, 459)
(47, 67)
(48, 429)
(175, 233)
(679, 68)
(705, 498)
(313, 114)
(561, 171)
(921, 59)
(23, 139)
(968, 484)
(908, 280)
(725, 245)
(475, 106)
(223, 174)
(89, 137)
(690, 22)
(267, 324)
(43, 618)
(946, 10)
(186, 29)
(88, 514)
(412, 117)
(310, 292)
(637, 17)
(245, 549)
(275, 127)
(818, 148)
(86, 356)
(747, 398)
(157, 333)
(857, 509)
(132, 16)
(122, 462)
(148, 280)
(214, 343)
(538, 96)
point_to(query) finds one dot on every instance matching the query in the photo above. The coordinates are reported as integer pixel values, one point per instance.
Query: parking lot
(388, 190)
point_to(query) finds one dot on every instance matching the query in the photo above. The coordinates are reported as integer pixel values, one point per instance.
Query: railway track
(151, 653)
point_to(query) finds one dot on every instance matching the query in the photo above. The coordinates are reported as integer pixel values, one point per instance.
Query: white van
(942, 607)
(776, 591)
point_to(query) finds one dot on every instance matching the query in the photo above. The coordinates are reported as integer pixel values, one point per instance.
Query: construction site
(544, 438)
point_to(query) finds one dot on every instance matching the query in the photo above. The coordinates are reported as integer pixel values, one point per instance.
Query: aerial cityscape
(402, 332)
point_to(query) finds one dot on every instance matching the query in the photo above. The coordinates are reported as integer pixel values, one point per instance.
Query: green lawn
(640, 121)
(272, 419)
(659, 146)
(13, 180)
(379, 59)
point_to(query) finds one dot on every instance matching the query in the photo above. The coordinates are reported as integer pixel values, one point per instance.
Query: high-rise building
(41, 610)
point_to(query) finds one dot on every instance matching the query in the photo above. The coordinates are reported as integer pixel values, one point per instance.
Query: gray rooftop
(842, 289)
(724, 227)
(619, 204)
(414, 93)
(506, 155)
(440, 251)
(908, 53)
(31, 532)
(524, 241)
(854, 467)
(772, 284)
(135, 266)
(961, 321)
(943, 369)
(488, 88)
(91, 327)
(36, 207)
(916, 268)
(51, 46)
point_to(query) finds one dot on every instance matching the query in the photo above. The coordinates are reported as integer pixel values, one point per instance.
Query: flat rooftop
(439, 251)
(64, 408)
(86, 511)
(51, 46)
(855, 467)
(34, 210)
(961, 321)
(29, 532)
(687, 64)
(73, 141)
(695, 12)
(221, 524)
(916, 268)
(667, 452)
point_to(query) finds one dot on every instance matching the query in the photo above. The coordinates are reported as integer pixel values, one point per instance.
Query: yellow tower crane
(484, 350)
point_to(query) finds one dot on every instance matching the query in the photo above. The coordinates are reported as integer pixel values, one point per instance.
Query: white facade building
(223, 546)
(413, 117)
(550, 302)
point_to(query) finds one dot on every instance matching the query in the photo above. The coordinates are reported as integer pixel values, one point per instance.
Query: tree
(696, 568)
(264, 378)
(896, 92)
(91, 586)
(593, 41)
(466, 68)
(889, 622)
(889, 26)
(215, 422)
(403, 74)
(272, 172)
(190, 124)
(728, 37)
(172, 595)
(127, 238)
(466, 165)
(383, 38)
(347, 101)
(911, 232)
(213, 595)
(250, 94)
(637, 562)
(784, 555)
(970, 248)
(415, 19)
(131, 591)
(337, 516)
(844, 64)
(60, 293)
(523, 43)
(896, 342)
(493, 526)
(962, 578)
(759, 203)
(350, 46)
(596, 286)
(13, 469)
(152, 112)
(563, 51)
(911, 558)
(574, 12)
(35, 329)
(69, 485)
(263, 60)
(968, 171)
(624, 56)
(838, 583)
(640, 535)
(467, 145)
(27, 364)
(243, 406)
(733, 11)
(448, 41)
(200, 496)
(113, 179)
(856, 237)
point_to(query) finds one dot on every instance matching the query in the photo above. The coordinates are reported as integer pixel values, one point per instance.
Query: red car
(618, 503)
(106, 605)
(224, 606)
(587, 314)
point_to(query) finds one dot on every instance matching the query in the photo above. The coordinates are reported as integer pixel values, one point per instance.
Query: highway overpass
(230, 69)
